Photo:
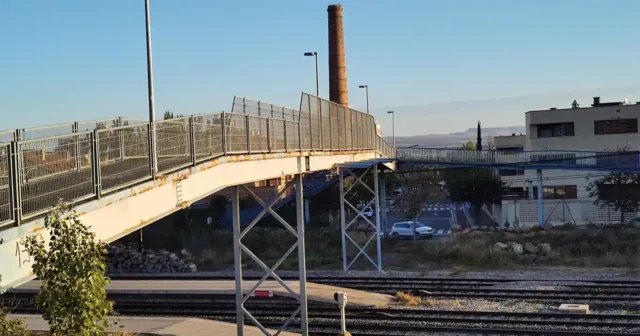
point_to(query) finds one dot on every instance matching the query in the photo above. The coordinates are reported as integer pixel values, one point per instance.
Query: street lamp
(315, 54)
(152, 117)
(393, 126)
(367, 88)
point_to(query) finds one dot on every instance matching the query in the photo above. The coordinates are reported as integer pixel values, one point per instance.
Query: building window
(557, 192)
(615, 126)
(555, 130)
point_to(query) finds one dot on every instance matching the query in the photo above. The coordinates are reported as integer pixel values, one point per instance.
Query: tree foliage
(469, 145)
(479, 140)
(617, 189)
(476, 186)
(10, 326)
(73, 293)
(418, 185)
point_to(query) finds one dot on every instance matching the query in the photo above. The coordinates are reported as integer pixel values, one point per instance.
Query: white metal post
(383, 202)
(377, 206)
(302, 266)
(540, 200)
(237, 257)
(343, 216)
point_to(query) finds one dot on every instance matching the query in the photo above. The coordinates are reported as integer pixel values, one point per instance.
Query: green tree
(476, 186)
(11, 327)
(469, 145)
(617, 189)
(73, 293)
(418, 184)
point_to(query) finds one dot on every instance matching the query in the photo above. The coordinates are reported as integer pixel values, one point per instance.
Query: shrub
(74, 289)
(11, 327)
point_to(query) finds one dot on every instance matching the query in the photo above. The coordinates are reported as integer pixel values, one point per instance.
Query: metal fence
(545, 159)
(243, 105)
(35, 174)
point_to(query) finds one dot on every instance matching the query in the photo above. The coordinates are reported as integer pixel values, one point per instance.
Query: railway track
(364, 321)
(368, 321)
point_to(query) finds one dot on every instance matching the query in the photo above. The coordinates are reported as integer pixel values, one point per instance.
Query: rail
(36, 173)
(524, 159)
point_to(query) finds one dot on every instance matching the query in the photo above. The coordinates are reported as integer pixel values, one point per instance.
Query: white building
(600, 127)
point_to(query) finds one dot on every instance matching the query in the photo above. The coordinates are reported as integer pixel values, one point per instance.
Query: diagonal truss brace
(239, 247)
(373, 203)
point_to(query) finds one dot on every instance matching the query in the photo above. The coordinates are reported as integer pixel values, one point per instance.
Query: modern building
(603, 126)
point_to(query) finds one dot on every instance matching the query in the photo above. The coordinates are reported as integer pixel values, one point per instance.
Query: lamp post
(393, 126)
(366, 87)
(152, 117)
(315, 54)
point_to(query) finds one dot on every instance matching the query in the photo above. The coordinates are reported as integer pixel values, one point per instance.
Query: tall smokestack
(338, 91)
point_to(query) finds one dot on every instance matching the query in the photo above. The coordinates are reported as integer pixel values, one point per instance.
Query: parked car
(367, 212)
(405, 230)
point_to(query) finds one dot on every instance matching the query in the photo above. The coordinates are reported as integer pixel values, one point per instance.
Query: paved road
(436, 214)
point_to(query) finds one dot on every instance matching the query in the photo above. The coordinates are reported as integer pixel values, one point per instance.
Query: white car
(405, 230)
(367, 212)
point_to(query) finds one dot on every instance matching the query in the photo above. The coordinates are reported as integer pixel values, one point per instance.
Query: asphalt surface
(437, 214)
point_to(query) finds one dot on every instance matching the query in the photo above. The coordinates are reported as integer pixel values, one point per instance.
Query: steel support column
(540, 200)
(374, 204)
(239, 248)
(383, 203)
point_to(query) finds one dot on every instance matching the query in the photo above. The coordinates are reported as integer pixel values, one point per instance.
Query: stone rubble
(122, 259)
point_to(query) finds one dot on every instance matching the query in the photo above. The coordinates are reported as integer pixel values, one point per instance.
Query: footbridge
(123, 174)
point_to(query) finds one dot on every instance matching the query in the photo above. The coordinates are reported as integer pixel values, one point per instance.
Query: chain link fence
(93, 158)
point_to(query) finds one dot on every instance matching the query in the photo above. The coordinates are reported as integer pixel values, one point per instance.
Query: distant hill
(455, 139)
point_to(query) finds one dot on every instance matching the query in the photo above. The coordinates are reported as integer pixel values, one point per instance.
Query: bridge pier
(540, 200)
(239, 248)
(373, 204)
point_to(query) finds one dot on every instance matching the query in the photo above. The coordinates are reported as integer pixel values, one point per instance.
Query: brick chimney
(338, 91)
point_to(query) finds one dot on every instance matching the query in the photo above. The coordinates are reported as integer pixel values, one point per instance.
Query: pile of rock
(543, 250)
(123, 259)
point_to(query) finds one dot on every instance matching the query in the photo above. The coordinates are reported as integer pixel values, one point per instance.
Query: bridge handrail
(524, 159)
(36, 173)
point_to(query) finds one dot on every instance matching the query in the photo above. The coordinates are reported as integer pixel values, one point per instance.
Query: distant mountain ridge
(456, 139)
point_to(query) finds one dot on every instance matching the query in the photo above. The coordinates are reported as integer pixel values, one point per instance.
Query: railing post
(286, 145)
(299, 134)
(247, 125)
(223, 128)
(192, 140)
(152, 153)
(321, 117)
(15, 182)
(330, 130)
(269, 146)
(122, 146)
(95, 163)
(76, 144)
(310, 126)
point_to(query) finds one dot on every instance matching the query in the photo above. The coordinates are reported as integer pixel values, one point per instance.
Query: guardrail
(548, 158)
(36, 173)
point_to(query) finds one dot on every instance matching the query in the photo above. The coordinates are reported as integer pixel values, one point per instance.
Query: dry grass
(408, 299)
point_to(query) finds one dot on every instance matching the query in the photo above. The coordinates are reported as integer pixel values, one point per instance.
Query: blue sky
(442, 65)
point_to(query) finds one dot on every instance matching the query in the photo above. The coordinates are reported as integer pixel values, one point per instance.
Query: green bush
(11, 327)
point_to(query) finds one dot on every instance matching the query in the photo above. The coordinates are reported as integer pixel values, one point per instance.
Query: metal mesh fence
(52, 171)
(208, 135)
(236, 133)
(259, 137)
(5, 192)
(277, 135)
(172, 143)
(7, 136)
(326, 124)
(62, 166)
(243, 105)
(117, 170)
(335, 133)
(293, 136)
(314, 106)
